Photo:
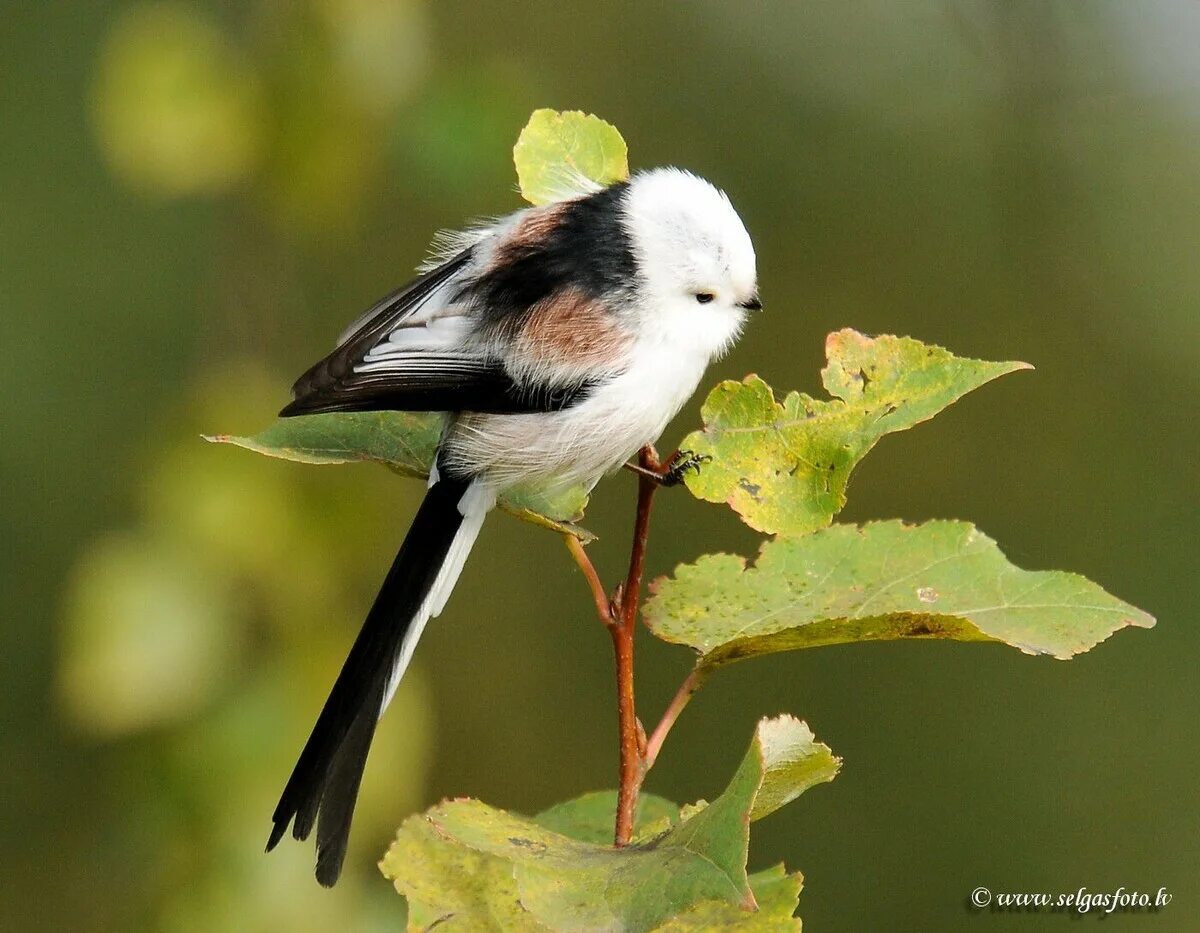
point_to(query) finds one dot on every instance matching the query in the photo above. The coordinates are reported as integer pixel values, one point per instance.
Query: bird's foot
(681, 463)
(673, 471)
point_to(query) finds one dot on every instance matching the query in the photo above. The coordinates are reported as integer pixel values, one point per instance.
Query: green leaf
(564, 882)
(469, 864)
(406, 443)
(451, 885)
(792, 761)
(884, 580)
(445, 880)
(561, 155)
(784, 467)
(590, 818)
(777, 894)
(783, 761)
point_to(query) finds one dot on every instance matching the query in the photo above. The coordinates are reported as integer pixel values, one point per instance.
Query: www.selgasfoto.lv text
(1082, 901)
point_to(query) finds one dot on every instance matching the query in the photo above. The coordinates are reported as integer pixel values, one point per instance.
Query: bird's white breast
(582, 443)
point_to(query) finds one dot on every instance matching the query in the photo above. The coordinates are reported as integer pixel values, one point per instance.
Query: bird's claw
(681, 464)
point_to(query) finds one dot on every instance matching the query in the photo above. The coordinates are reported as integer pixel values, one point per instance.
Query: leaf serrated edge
(727, 652)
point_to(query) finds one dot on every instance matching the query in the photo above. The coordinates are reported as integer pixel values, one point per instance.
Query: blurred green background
(197, 197)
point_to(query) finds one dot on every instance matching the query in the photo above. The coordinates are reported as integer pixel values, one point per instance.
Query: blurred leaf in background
(336, 72)
(147, 637)
(299, 104)
(445, 142)
(177, 107)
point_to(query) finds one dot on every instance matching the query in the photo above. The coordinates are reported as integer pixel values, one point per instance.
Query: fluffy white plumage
(688, 240)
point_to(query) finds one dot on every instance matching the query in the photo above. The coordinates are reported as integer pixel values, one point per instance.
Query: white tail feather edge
(474, 506)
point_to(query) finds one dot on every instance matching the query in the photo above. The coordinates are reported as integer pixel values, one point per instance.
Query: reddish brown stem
(619, 614)
(654, 743)
(632, 736)
(603, 605)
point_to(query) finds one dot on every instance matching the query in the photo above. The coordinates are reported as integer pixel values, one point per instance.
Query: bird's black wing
(365, 373)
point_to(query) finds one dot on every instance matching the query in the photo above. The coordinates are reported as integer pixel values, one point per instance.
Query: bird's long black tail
(324, 785)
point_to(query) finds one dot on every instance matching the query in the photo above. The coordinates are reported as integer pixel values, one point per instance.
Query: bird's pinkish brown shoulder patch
(571, 328)
(534, 227)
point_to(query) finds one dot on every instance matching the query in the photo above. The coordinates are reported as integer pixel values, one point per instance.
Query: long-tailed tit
(560, 340)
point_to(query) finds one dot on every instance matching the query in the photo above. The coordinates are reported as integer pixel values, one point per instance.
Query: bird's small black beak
(754, 303)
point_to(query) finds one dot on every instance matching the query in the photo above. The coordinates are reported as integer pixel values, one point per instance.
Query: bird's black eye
(704, 297)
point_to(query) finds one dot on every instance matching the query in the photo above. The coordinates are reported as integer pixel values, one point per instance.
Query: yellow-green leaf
(469, 866)
(777, 893)
(452, 886)
(562, 881)
(885, 580)
(792, 762)
(784, 467)
(561, 155)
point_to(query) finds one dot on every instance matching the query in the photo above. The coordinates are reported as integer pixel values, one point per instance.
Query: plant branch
(604, 607)
(683, 695)
(619, 614)
(632, 736)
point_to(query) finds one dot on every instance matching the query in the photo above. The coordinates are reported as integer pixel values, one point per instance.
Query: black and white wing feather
(414, 351)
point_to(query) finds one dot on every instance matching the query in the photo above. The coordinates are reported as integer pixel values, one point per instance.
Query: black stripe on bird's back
(587, 249)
